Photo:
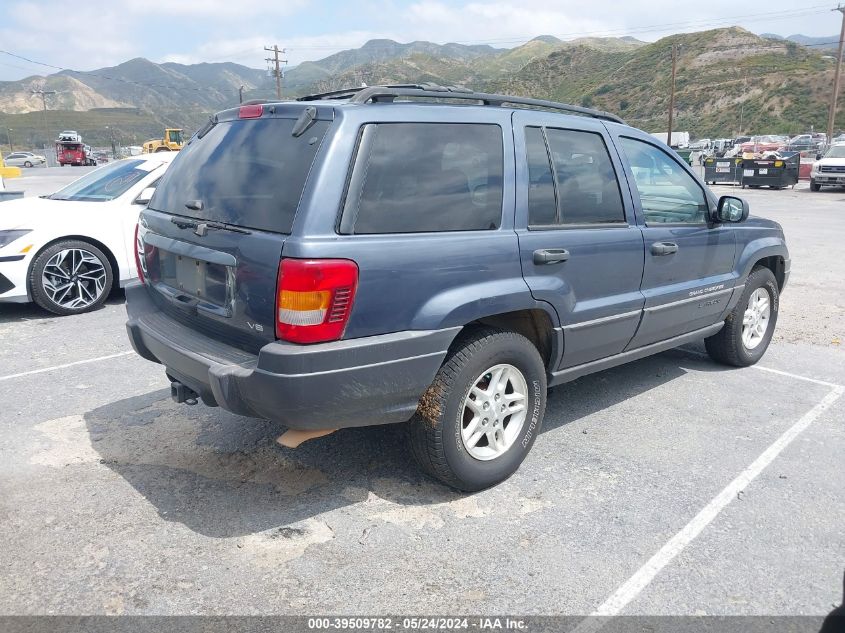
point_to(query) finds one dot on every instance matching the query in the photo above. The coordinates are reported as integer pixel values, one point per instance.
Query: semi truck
(72, 153)
(70, 150)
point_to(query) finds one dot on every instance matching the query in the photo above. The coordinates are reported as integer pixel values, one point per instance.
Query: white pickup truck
(829, 170)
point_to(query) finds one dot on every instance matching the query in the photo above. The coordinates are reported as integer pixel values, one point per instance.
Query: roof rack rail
(348, 93)
(387, 94)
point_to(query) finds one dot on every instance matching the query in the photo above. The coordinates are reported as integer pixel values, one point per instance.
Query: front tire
(749, 327)
(27, 164)
(70, 277)
(814, 186)
(479, 418)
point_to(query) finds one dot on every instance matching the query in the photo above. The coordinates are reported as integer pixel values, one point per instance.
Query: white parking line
(796, 376)
(629, 590)
(55, 367)
(824, 383)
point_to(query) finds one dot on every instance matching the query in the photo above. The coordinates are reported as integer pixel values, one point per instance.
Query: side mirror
(818, 156)
(731, 209)
(145, 196)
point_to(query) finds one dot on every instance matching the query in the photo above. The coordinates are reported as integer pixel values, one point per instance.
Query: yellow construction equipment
(172, 142)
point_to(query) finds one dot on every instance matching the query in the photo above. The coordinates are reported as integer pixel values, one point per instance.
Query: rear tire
(161, 149)
(70, 277)
(27, 164)
(748, 329)
(455, 436)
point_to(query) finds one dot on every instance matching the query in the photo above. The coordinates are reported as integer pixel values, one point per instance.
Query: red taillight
(314, 299)
(250, 111)
(139, 253)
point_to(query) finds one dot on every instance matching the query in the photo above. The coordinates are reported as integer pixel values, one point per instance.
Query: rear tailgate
(212, 236)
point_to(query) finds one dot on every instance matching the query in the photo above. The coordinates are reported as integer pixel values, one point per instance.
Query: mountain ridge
(728, 80)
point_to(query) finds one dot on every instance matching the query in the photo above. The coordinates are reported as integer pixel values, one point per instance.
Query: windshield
(837, 151)
(175, 136)
(106, 183)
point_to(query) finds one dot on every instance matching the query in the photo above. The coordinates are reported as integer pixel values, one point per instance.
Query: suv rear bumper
(357, 382)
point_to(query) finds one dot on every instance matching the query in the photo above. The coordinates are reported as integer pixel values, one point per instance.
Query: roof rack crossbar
(380, 94)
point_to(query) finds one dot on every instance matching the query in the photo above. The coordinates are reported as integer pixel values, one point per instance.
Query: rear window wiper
(201, 228)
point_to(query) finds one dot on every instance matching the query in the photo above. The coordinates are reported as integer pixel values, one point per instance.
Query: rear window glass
(249, 173)
(415, 177)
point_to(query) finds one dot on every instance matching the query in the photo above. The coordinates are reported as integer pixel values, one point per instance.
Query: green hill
(723, 76)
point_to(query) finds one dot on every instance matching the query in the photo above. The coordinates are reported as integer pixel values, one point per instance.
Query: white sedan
(24, 159)
(68, 250)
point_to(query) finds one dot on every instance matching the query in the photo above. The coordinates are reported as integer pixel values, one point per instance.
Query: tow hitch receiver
(182, 393)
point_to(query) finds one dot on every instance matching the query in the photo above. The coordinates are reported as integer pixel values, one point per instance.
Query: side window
(542, 206)
(426, 177)
(667, 192)
(584, 181)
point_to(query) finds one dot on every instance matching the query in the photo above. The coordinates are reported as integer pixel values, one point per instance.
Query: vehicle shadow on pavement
(223, 475)
(13, 312)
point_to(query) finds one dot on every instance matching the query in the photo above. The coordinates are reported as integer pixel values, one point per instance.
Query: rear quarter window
(419, 177)
(248, 173)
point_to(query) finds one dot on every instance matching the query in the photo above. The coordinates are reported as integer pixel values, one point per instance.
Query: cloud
(497, 21)
(250, 50)
(86, 37)
(213, 10)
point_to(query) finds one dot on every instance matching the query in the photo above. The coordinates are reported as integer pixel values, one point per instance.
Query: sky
(91, 34)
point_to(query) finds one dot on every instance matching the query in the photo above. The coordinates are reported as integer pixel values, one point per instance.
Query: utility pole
(278, 71)
(241, 94)
(43, 94)
(672, 94)
(9, 137)
(832, 114)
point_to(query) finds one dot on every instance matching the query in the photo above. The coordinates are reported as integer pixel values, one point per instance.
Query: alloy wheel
(74, 278)
(494, 412)
(755, 320)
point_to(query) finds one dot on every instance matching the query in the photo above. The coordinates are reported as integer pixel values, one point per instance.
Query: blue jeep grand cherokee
(438, 257)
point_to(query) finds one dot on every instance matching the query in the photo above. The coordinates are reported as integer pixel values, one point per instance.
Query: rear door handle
(664, 248)
(550, 256)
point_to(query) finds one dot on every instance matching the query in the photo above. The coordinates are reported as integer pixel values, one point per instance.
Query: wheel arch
(535, 324)
(776, 264)
(79, 238)
(769, 252)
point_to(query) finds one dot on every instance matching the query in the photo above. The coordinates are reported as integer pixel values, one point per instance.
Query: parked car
(829, 170)
(66, 251)
(351, 260)
(767, 143)
(804, 143)
(24, 159)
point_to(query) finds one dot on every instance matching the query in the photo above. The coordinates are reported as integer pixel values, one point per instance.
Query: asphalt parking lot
(40, 181)
(671, 485)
